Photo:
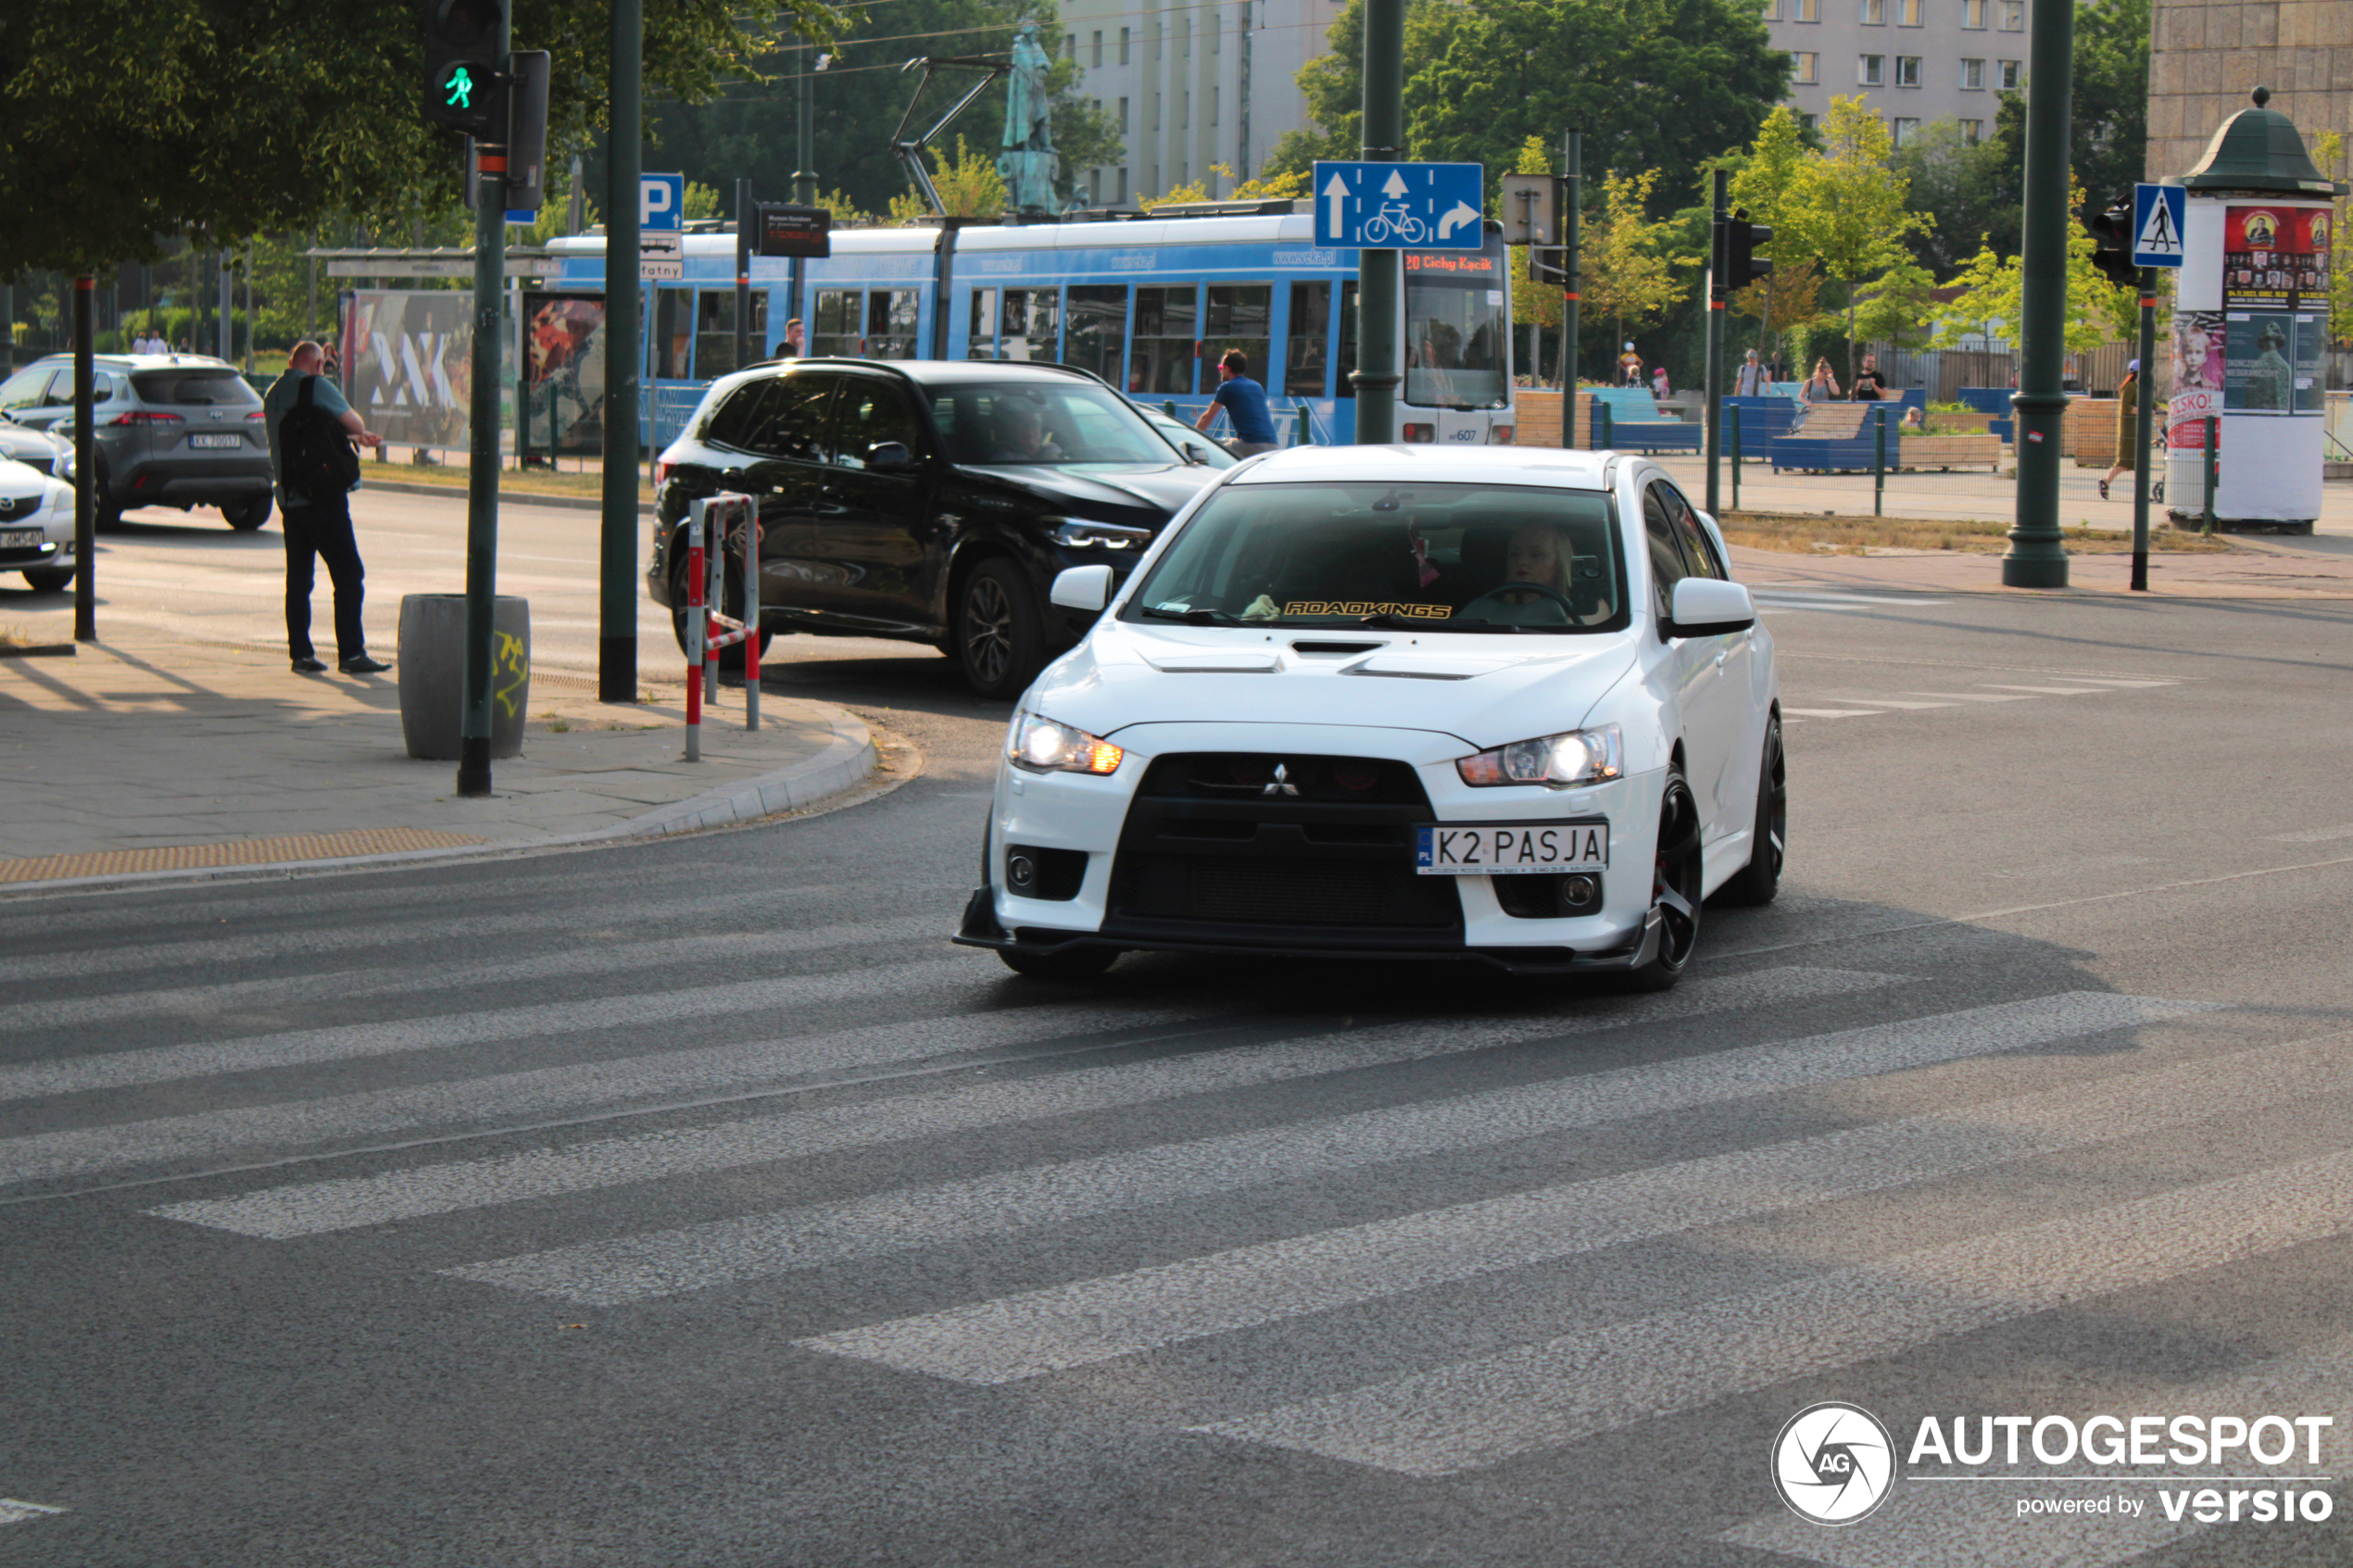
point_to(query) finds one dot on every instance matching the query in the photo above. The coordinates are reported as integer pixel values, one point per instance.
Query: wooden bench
(1630, 421)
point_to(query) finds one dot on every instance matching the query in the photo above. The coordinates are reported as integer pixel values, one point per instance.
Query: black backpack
(317, 457)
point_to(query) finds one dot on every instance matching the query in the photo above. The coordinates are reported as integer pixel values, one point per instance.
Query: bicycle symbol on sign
(1393, 219)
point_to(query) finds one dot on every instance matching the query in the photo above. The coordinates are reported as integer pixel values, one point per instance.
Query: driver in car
(1019, 435)
(1539, 556)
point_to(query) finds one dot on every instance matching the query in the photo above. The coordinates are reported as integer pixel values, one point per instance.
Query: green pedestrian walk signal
(461, 66)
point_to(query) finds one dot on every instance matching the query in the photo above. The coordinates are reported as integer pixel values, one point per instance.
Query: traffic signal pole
(85, 463)
(1377, 375)
(483, 455)
(617, 540)
(1715, 373)
(2142, 415)
(2037, 555)
(1572, 208)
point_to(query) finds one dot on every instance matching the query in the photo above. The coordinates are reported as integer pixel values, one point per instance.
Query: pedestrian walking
(1870, 386)
(1749, 380)
(2128, 406)
(1822, 386)
(1245, 403)
(1629, 367)
(318, 526)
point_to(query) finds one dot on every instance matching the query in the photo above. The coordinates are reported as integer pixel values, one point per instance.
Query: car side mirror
(1709, 606)
(1082, 587)
(889, 457)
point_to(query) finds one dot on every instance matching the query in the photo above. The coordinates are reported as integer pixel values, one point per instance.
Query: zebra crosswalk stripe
(1052, 1330)
(309, 1208)
(697, 1257)
(1481, 1412)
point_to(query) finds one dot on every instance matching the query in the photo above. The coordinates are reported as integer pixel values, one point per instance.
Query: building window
(1184, 38)
(2013, 16)
(1808, 122)
(1809, 10)
(2005, 75)
(1185, 110)
(1907, 13)
(1874, 12)
(1904, 131)
(1098, 55)
(1806, 59)
(1094, 187)
(1908, 71)
(1123, 116)
(1972, 132)
(1871, 71)
(1121, 199)
(1973, 13)
(1214, 95)
(1772, 10)
(1973, 75)
(1123, 45)
(1070, 47)
(1216, 33)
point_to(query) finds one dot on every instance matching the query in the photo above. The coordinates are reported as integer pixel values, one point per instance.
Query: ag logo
(1833, 1462)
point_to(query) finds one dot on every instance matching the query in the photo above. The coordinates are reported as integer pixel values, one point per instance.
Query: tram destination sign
(789, 230)
(1400, 206)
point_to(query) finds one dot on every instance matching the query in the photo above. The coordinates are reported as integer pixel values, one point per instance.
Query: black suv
(171, 430)
(929, 500)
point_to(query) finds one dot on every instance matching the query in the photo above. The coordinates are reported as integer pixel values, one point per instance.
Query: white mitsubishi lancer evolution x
(1401, 702)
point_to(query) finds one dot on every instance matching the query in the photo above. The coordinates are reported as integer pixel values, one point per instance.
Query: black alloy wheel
(1072, 963)
(731, 602)
(998, 639)
(1756, 882)
(246, 516)
(1676, 878)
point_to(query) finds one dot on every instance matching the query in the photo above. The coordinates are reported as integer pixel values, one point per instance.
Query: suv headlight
(1102, 536)
(1043, 746)
(1578, 757)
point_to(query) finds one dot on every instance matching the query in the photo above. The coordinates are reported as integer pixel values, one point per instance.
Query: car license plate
(20, 539)
(226, 438)
(1511, 849)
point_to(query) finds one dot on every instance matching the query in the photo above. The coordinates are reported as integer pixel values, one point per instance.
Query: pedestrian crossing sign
(2158, 211)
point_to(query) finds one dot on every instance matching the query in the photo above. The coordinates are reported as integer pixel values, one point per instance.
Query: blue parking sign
(1400, 206)
(2158, 211)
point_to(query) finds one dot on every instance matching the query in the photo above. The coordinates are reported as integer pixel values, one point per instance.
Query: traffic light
(2113, 230)
(1742, 265)
(461, 66)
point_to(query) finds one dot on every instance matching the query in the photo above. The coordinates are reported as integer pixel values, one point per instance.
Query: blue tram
(1149, 304)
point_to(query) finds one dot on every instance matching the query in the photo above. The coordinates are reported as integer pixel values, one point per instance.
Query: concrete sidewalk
(2257, 567)
(153, 756)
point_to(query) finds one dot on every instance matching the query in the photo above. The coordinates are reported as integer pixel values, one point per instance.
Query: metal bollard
(714, 525)
(1306, 436)
(751, 612)
(1735, 412)
(1601, 412)
(696, 629)
(1879, 457)
(2213, 439)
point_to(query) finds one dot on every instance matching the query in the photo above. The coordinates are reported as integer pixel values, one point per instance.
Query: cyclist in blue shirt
(1245, 403)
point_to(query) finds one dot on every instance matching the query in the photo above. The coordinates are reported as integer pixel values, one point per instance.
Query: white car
(1404, 702)
(36, 526)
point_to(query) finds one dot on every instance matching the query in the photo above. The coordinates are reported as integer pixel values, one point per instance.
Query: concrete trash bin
(432, 673)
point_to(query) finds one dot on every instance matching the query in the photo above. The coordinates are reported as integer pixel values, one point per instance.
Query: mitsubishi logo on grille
(1281, 784)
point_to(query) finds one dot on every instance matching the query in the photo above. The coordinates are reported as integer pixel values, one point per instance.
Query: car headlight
(1043, 746)
(1101, 536)
(63, 466)
(1579, 756)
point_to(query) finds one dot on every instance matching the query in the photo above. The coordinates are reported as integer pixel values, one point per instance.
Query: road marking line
(1922, 1518)
(15, 1511)
(2314, 835)
(309, 1208)
(1882, 701)
(690, 1075)
(347, 1042)
(1971, 696)
(2043, 691)
(2074, 868)
(687, 1257)
(2109, 681)
(1040, 1332)
(1484, 1411)
(1831, 712)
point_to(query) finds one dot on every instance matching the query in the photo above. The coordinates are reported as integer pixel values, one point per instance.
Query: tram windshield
(1457, 328)
(1024, 422)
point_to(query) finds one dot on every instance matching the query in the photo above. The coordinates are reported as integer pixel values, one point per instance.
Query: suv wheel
(998, 639)
(731, 661)
(246, 516)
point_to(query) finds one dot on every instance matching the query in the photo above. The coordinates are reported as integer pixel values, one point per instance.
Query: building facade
(1914, 61)
(1192, 86)
(2206, 56)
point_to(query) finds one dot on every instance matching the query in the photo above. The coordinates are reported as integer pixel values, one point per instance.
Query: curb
(505, 497)
(846, 762)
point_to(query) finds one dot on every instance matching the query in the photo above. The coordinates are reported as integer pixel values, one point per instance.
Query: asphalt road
(697, 1203)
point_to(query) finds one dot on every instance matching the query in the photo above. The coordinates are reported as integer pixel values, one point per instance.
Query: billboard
(2275, 257)
(408, 364)
(563, 389)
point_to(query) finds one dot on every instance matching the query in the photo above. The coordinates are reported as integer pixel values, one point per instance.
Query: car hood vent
(1242, 661)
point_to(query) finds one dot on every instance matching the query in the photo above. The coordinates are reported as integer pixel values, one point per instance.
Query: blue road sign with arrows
(1400, 206)
(2158, 211)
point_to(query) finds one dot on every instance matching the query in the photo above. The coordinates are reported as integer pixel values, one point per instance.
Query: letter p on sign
(661, 201)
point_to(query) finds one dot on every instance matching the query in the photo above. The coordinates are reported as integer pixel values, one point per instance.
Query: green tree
(1845, 206)
(1898, 306)
(124, 123)
(969, 186)
(1992, 290)
(1632, 273)
(2328, 151)
(2107, 141)
(1959, 186)
(1657, 84)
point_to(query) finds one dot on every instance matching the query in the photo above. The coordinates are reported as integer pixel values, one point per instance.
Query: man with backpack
(311, 431)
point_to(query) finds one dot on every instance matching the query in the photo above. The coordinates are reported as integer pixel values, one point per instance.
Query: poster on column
(2198, 373)
(564, 371)
(2275, 257)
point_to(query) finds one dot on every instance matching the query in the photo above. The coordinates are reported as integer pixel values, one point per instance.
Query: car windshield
(1456, 332)
(202, 387)
(1030, 422)
(1445, 557)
